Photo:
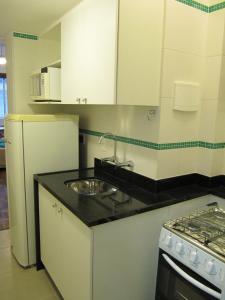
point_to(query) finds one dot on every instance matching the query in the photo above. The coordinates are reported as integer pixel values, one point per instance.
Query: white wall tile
(222, 81)
(208, 119)
(212, 2)
(212, 77)
(177, 126)
(218, 162)
(206, 2)
(145, 160)
(215, 35)
(129, 121)
(220, 122)
(176, 162)
(188, 161)
(223, 164)
(205, 161)
(168, 163)
(180, 66)
(185, 28)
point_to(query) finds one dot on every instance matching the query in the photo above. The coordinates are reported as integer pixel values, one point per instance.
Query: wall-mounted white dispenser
(186, 96)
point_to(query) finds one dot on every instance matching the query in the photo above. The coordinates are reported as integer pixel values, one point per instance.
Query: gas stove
(193, 248)
(206, 228)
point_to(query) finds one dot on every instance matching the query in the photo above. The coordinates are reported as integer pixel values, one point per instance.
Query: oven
(177, 282)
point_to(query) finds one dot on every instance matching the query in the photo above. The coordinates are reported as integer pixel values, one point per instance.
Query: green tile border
(216, 7)
(25, 36)
(203, 7)
(195, 4)
(155, 146)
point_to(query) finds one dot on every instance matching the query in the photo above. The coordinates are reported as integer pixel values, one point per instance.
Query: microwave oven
(46, 85)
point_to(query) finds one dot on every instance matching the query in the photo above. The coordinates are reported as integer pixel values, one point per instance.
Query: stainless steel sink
(91, 187)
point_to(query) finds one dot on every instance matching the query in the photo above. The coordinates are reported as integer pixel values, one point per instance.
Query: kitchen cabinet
(88, 51)
(140, 52)
(65, 248)
(111, 52)
(114, 260)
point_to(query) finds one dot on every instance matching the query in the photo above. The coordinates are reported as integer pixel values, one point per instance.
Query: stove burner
(206, 227)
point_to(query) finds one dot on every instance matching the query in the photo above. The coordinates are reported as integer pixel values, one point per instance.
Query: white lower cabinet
(66, 248)
(116, 260)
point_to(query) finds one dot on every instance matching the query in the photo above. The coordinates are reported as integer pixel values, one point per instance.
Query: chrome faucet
(113, 158)
(128, 164)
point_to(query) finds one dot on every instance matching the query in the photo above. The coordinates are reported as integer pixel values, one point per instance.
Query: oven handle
(190, 279)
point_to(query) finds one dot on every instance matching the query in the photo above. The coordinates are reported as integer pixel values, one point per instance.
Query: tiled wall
(171, 143)
(184, 45)
(212, 115)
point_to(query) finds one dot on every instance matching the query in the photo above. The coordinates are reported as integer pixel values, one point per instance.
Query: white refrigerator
(34, 144)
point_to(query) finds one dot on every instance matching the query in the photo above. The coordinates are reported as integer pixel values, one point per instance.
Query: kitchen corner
(118, 233)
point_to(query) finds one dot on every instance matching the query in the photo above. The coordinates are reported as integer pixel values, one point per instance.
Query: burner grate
(205, 226)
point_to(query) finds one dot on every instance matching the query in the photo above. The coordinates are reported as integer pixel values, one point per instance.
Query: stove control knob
(221, 275)
(179, 248)
(168, 241)
(210, 268)
(194, 256)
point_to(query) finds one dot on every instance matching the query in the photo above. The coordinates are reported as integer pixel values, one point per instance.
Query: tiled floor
(17, 283)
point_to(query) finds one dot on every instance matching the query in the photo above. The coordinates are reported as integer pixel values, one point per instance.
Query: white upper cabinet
(111, 52)
(140, 52)
(88, 52)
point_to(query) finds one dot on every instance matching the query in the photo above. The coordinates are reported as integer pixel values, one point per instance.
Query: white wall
(193, 51)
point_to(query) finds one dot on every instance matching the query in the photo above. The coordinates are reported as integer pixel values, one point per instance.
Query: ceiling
(31, 16)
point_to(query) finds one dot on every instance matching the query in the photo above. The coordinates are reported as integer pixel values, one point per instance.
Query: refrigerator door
(48, 147)
(16, 191)
(36, 144)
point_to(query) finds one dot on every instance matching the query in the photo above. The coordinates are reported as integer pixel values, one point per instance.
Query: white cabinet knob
(210, 268)
(179, 248)
(168, 241)
(194, 256)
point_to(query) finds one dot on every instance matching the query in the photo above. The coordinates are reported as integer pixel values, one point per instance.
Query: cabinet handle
(78, 100)
(60, 210)
(54, 205)
(84, 100)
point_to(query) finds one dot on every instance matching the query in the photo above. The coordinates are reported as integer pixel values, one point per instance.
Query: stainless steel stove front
(192, 261)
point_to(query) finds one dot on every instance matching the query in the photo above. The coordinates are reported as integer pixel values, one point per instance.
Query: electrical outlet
(151, 114)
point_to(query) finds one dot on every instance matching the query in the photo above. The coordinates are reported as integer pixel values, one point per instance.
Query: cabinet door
(140, 51)
(72, 35)
(76, 257)
(89, 49)
(51, 253)
(66, 248)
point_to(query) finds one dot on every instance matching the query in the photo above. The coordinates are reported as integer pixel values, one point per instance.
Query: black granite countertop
(135, 195)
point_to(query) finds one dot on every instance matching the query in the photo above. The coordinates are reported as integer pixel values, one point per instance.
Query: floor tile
(18, 283)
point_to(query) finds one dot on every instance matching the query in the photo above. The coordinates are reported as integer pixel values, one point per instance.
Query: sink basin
(91, 187)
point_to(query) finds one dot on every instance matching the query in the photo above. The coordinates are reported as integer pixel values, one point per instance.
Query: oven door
(177, 282)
